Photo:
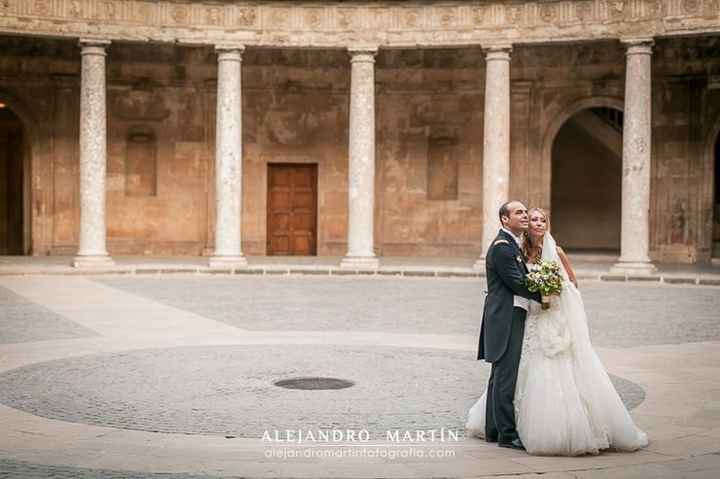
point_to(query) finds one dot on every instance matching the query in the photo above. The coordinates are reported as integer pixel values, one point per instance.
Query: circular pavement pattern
(230, 390)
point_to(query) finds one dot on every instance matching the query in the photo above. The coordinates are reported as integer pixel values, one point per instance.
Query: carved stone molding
(341, 24)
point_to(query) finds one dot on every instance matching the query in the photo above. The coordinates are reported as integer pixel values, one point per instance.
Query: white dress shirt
(518, 301)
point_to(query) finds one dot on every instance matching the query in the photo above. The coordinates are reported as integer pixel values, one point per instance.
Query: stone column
(92, 251)
(361, 169)
(496, 142)
(228, 160)
(636, 159)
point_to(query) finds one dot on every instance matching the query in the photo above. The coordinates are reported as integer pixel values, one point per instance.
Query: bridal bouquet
(544, 278)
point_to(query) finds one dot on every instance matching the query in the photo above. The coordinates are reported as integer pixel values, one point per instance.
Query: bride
(564, 401)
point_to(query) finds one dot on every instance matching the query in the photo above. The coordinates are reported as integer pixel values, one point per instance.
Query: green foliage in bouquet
(544, 278)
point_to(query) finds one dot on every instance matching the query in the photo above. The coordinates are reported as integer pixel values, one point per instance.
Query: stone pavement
(587, 266)
(173, 376)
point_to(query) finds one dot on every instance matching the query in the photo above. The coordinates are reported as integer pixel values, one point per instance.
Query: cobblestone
(229, 390)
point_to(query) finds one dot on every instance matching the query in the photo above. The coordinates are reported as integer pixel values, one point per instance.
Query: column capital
(362, 53)
(231, 52)
(497, 51)
(93, 46)
(638, 45)
(97, 41)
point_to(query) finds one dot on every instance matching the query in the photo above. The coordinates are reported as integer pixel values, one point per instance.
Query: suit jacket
(505, 272)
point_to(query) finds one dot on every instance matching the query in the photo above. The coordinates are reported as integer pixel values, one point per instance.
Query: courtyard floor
(173, 375)
(586, 265)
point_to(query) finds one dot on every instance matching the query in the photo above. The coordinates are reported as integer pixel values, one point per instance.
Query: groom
(503, 323)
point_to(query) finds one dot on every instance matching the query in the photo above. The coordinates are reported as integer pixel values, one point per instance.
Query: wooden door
(292, 210)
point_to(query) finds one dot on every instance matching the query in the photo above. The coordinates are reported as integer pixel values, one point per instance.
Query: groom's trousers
(500, 413)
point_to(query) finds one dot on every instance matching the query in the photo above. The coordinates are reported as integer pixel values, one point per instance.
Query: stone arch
(609, 239)
(567, 112)
(28, 120)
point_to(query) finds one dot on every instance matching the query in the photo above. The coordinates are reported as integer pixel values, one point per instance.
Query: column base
(92, 261)
(633, 268)
(360, 262)
(238, 261)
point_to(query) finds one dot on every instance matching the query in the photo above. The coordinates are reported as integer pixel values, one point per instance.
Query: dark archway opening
(587, 180)
(11, 183)
(716, 203)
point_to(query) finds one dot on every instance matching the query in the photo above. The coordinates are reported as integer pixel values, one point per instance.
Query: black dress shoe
(491, 439)
(514, 444)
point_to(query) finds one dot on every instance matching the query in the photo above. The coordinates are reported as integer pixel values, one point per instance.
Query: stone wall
(161, 107)
(430, 123)
(686, 122)
(157, 153)
(295, 110)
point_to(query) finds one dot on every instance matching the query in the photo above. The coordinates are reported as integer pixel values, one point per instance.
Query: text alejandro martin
(298, 436)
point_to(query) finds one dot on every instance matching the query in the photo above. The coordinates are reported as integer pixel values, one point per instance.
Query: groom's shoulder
(501, 245)
(501, 239)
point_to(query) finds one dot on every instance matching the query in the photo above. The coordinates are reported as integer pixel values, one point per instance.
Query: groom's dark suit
(501, 333)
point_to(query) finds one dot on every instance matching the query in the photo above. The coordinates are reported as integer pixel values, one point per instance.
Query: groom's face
(517, 219)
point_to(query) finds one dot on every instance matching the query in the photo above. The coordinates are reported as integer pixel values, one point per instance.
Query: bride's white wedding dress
(564, 402)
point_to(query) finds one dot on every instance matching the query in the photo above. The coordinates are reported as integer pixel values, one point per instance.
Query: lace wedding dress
(564, 401)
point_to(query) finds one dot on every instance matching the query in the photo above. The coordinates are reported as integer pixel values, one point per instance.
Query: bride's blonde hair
(526, 241)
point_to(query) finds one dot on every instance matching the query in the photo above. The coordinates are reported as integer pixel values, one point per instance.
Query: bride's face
(538, 224)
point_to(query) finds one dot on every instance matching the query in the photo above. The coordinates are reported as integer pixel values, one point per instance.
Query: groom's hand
(507, 265)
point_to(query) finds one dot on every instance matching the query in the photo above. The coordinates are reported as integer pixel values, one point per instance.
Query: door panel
(292, 210)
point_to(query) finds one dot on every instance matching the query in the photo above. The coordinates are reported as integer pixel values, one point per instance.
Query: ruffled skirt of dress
(565, 404)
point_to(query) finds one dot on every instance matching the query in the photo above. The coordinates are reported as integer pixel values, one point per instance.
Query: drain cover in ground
(314, 383)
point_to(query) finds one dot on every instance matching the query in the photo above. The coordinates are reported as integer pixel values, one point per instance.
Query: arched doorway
(586, 185)
(12, 148)
(716, 201)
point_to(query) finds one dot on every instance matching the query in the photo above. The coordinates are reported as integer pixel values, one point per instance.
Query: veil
(554, 332)
(570, 301)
